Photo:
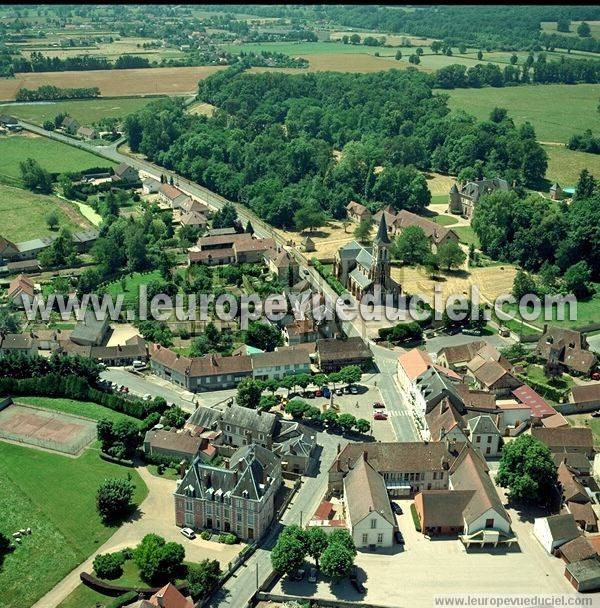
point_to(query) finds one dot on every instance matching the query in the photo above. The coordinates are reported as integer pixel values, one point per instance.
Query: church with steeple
(361, 268)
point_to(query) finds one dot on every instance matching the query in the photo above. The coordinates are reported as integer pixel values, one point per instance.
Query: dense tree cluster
(536, 232)
(586, 142)
(271, 146)
(51, 93)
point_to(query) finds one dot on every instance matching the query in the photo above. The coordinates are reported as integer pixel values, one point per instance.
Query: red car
(378, 404)
(379, 416)
(318, 393)
(596, 376)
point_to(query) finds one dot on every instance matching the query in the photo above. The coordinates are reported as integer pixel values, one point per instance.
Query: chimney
(207, 479)
(235, 476)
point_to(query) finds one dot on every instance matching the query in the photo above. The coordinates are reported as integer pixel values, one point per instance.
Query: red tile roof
(539, 408)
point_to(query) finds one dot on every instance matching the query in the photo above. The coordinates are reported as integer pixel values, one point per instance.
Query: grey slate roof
(90, 329)
(483, 425)
(249, 468)
(435, 386)
(206, 417)
(263, 422)
(362, 279)
(563, 526)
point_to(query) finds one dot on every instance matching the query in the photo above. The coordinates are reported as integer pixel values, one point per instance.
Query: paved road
(238, 590)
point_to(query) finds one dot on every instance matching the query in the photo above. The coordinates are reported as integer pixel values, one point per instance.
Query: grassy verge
(55, 496)
(467, 235)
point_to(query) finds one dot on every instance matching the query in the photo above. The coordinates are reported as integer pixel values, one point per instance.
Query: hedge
(331, 280)
(123, 600)
(73, 387)
(415, 517)
(550, 392)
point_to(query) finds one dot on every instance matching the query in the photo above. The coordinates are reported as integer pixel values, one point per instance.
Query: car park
(188, 533)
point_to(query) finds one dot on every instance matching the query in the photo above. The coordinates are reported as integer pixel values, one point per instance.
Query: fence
(66, 444)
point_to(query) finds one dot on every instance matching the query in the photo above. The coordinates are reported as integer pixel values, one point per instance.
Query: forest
(487, 27)
(292, 146)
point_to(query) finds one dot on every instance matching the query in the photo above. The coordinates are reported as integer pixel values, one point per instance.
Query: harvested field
(328, 239)
(492, 282)
(343, 62)
(45, 429)
(118, 83)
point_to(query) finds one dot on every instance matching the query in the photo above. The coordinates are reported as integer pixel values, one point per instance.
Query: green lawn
(310, 48)
(556, 110)
(444, 220)
(52, 155)
(168, 474)
(86, 111)
(84, 597)
(55, 496)
(588, 311)
(467, 235)
(88, 409)
(23, 214)
(564, 165)
(131, 284)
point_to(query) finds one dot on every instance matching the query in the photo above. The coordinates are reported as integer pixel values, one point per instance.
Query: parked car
(339, 391)
(399, 537)
(137, 364)
(596, 376)
(396, 508)
(298, 575)
(378, 404)
(188, 533)
(468, 331)
(318, 393)
(354, 390)
(147, 397)
(309, 394)
(357, 584)
(595, 414)
(326, 393)
(312, 577)
(380, 416)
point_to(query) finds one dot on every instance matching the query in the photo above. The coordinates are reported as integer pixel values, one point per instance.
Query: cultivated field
(86, 111)
(340, 62)
(37, 488)
(52, 155)
(23, 214)
(118, 83)
(564, 165)
(555, 111)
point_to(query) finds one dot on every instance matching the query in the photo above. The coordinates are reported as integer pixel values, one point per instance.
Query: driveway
(155, 515)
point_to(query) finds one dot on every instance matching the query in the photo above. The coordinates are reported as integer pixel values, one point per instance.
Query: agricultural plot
(550, 28)
(23, 214)
(117, 83)
(555, 111)
(85, 111)
(58, 542)
(52, 155)
(564, 165)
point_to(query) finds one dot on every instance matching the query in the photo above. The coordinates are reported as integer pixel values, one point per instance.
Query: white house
(556, 530)
(369, 515)
(150, 186)
(484, 435)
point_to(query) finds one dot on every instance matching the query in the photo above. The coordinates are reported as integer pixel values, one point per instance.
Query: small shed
(308, 245)
(556, 192)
